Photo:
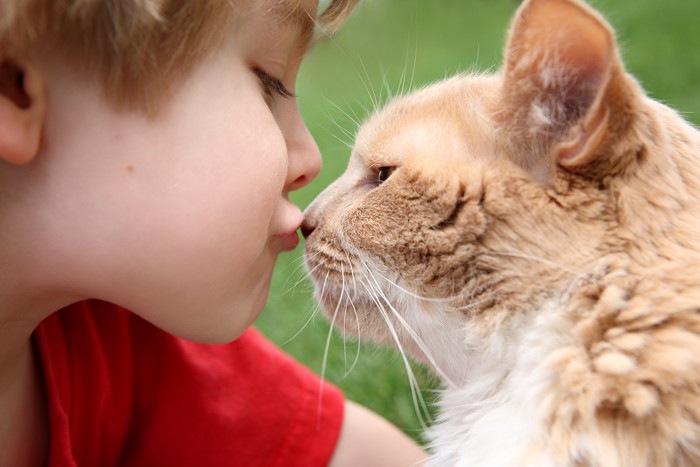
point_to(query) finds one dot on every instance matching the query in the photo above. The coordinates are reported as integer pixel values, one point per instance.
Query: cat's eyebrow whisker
(413, 70)
(366, 80)
(363, 105)
(417, 397)
(370, 91)
(353, 119)
(385, 84)
(400, 86)
(345, 132)
(415, 58)
(348, 144)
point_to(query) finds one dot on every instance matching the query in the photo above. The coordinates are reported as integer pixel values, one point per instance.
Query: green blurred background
(388, 45)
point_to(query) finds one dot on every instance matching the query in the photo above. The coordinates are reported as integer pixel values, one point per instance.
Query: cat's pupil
(384, 173)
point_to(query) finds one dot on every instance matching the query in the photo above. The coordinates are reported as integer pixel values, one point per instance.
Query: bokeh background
(389, 46)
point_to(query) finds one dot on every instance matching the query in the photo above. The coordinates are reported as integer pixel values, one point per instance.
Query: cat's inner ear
(558, 63)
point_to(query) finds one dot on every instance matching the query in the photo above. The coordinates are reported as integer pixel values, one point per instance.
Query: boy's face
(181, 218)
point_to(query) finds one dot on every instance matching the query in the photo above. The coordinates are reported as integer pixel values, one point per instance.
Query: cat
(532, 235)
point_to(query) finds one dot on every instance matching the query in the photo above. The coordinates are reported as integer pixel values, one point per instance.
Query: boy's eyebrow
(293, 14)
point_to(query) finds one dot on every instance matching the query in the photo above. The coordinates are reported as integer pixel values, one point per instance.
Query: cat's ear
(560, 59)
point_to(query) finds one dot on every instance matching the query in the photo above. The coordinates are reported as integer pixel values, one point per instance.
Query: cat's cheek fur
(423, 228)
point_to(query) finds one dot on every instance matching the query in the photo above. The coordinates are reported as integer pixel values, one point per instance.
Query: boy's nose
(304, 159)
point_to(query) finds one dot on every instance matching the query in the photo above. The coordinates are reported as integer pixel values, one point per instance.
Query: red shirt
(122, 392)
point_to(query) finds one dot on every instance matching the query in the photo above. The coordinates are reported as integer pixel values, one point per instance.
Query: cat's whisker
(349, 302)
(293, 267)
(314, 311)
(344, 301)
(301, 280)
(416, 395)
(304, 277)
(409, 293)
(411, 332)
(312, 315)
(352, 274)
(324, 361)
(298, 262)
(376, 293)
(313, 257)
(357, 316)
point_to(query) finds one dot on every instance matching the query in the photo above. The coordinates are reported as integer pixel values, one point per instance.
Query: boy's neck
(24, 433)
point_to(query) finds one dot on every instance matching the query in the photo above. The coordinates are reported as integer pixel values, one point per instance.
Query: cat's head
(476, 197)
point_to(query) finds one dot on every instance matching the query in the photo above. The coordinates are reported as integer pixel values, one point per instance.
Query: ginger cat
(533, 236)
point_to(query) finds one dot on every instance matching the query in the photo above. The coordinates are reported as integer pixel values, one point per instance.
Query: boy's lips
(287, 241)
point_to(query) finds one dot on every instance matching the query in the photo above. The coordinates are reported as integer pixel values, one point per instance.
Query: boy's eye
(272, 86)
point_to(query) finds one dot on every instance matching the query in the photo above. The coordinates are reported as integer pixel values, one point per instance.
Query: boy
(147, 150)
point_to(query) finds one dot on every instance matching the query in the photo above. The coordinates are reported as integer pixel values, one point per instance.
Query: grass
(392, 44)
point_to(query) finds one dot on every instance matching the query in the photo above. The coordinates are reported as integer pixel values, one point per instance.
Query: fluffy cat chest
(499, 415)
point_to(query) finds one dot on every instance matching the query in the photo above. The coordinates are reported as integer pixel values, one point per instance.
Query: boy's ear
(23, 103)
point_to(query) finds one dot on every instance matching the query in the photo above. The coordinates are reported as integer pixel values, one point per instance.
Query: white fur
(493, 419)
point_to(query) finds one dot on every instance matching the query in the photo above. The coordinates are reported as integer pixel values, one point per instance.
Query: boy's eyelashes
(272, 86)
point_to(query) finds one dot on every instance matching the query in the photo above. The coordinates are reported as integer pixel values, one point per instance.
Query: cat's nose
(308, 227)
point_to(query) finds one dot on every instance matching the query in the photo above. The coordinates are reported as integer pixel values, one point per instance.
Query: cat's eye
(383, 173)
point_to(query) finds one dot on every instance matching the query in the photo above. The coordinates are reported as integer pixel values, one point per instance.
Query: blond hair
(138, 48)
